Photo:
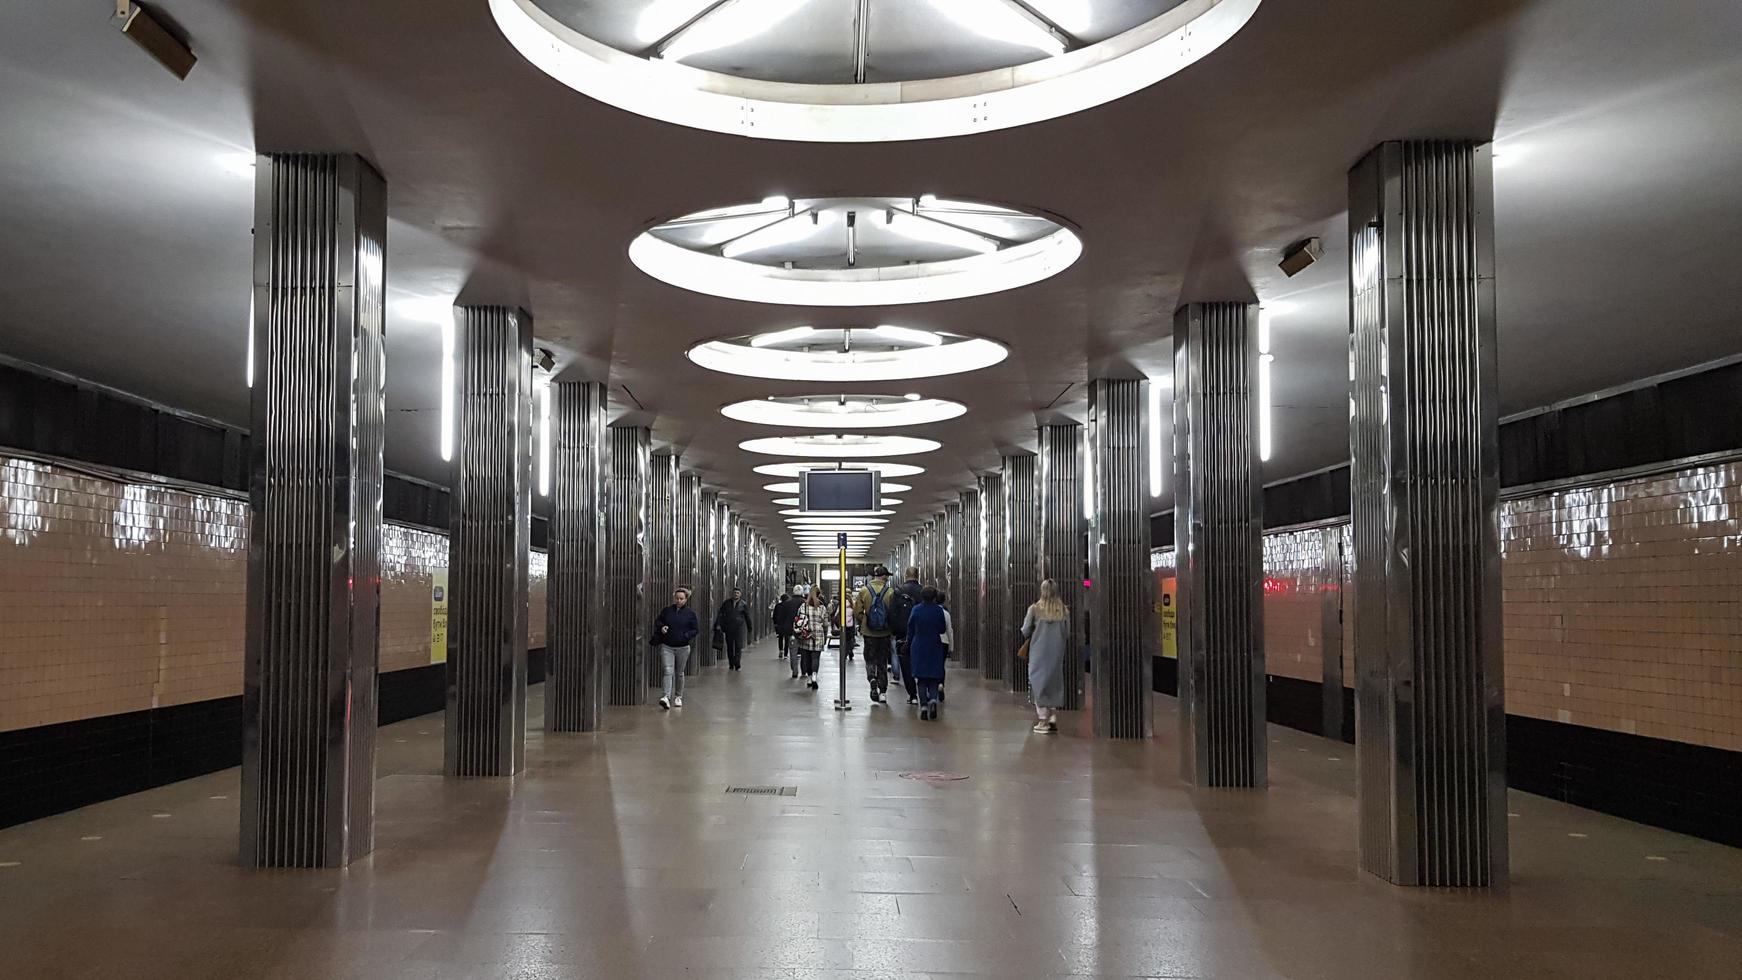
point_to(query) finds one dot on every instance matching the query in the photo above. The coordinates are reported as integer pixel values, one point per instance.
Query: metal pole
(841, 703)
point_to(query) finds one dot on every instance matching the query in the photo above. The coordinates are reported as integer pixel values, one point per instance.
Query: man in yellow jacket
(874, 612)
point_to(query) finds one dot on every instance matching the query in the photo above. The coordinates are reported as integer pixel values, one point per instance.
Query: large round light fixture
(840, 446)
(794, 469)
(843, 411)
(795, 502)
(850, 354)
(854, 251)
(841, 71)
(793, 487)
(834, 515)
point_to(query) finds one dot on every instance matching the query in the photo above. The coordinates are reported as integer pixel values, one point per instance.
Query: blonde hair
(1049, 606)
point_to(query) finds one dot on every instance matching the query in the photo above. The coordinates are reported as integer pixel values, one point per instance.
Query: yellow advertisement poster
(438, 617)
(1168, 613)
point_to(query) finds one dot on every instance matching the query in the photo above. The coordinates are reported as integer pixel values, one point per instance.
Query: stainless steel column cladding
(1121, 597)
(1022, 557)
(574, 691)
(708, 596)
(626, 565)
(1064, 538)
(1218, 528)
(489, 497)
(662, 574)
(949, 575)
(689, 554)
(969, 594)
(1331, 630)
(997, 627)
(315, 483)
(1430, 732)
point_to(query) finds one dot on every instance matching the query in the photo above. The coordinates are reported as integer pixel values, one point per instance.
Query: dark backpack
(900, 608)
(877, 616)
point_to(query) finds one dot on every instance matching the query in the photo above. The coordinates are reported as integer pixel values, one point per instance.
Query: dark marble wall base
(1690, 789)
(54, 768)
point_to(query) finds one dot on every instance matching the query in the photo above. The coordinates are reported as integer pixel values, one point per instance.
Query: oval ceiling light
(793, 488)
(849, 354)
(923, 69)
(794, 502)
(843, 411)
(855, 251)
(839, 446)
(794, 469)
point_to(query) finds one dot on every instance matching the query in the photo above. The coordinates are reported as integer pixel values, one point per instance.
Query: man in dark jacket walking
(785, 611)
(674, 630)
(732, 623)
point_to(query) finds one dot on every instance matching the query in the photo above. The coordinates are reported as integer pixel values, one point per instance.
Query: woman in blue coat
(925, 642)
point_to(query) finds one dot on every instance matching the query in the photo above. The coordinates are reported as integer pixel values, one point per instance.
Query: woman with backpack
(811, 633)
(1046, 630)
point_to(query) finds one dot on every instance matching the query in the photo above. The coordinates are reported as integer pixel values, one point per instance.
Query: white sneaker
(677, 702)
(664, 703)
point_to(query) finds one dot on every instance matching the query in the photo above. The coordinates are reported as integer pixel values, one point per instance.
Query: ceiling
(124, 252)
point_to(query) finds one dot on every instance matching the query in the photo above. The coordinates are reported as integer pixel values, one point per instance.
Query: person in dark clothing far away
(925, 643)
(785, 611)
(909, 594)
(674, 631)
(732, 623)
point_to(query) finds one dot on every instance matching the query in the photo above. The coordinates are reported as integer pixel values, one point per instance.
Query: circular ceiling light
(795, 502)
(839, 446)
(834, 515)
(906, 70)
(851, 354)
(843, 411)
(794, 469)
(793, 488)
(855, 251)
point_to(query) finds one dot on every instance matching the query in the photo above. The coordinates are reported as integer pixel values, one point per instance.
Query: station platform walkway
(622, 855)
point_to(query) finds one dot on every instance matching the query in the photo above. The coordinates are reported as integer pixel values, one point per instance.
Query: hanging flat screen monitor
(833, 490)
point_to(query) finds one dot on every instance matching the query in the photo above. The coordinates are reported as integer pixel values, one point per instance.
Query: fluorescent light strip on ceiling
(844, 411)
(840, 446)
(794, 469)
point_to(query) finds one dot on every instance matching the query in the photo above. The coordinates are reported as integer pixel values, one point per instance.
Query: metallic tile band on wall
(626, 564)
(1122, 598)
(689, 555)
(662, 574)
(965, 601)
(997, 627)
(1218, 528)
(1022, 557)
(489, 487)
(315, 484)
(574, 698)
(1063, 537)
(1430, 732)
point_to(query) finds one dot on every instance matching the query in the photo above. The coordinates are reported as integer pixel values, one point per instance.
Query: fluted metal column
(708, 582)
(949, 577)
(689, 553)
(574, 690)
(626, 565)
(662, 575)
(1022, 554)
(1218, 530)
(970, 587)
(1121, 599)
(1064, 537)
(996, 624)
(489, 485)
(1430, 723)
(314, 543)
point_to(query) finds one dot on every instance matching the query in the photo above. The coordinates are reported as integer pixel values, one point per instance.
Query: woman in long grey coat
(1047, 628)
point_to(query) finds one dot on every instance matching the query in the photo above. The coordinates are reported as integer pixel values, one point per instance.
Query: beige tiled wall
(119, 596)
(1622, 606)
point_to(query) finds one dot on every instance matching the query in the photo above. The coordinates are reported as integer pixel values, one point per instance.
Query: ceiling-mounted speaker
(149, 33)
(1298, 256)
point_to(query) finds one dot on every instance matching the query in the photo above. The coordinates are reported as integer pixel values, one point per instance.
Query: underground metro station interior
(1333, 410)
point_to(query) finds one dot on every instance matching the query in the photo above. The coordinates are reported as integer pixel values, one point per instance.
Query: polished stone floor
(621, 855)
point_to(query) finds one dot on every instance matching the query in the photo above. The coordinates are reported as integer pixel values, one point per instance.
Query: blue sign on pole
(841, 540)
